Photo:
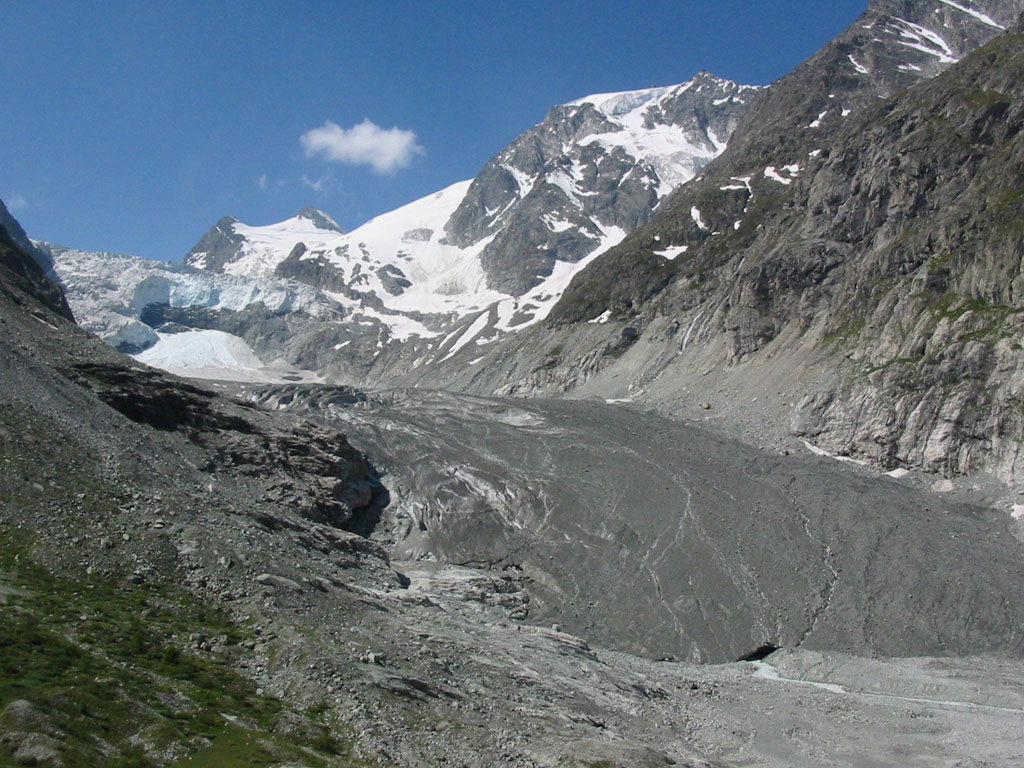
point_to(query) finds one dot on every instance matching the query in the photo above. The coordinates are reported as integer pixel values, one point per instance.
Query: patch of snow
(719, 144)
(674, 153)
(544, 296)
(689, 331)
(846, 112)
(569, 185)
(858, 66)
(816, 123)
(672, 252)
(400, 327)
(814, 153)
(266, 247)
(1018, 511)
(468, 335)
(983, 18)
(898, 473)
(922, 39)
(210, 355)
(822, 452)
(771, 173)
(556, 225)
(444, 278)
(695, 215)
(622, 102)
(601, 319)
(523, 181)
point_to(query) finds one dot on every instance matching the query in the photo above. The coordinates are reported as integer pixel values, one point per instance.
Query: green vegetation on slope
(97, 673)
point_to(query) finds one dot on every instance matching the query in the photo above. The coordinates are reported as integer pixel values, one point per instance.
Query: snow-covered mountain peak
(612, 104)
(594, 169)
(443, 275)
(233, 247)
(597, 164)
(321, 220)
(622, 103)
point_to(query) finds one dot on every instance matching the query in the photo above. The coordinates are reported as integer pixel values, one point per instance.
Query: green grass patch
(987, 98)
(108, 663)
(232, 745)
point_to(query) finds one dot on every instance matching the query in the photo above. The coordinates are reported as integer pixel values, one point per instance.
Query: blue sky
(133, 126)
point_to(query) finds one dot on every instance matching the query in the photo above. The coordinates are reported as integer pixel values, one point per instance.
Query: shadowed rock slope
(123, 491)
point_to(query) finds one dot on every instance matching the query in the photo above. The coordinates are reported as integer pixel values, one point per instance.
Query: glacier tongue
(217, 355)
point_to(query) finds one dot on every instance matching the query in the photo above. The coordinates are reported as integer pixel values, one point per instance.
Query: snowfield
(215, 355)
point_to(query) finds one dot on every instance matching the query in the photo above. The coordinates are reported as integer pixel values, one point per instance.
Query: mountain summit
(320, 220)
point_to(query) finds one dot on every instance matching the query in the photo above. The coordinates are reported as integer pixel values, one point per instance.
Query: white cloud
(16, 202)
(265, 183)
(317, 185)
(366, 143)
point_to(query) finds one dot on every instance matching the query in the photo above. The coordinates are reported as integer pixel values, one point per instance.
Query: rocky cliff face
(26, 267)
(594, 166)
(864, 256)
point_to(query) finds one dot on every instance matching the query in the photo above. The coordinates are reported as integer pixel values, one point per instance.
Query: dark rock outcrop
(321, 220)
(24, 270)
(220, 246)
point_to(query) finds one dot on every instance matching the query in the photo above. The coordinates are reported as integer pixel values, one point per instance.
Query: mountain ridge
(424, 281)
(746, 299)
(436, 292)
